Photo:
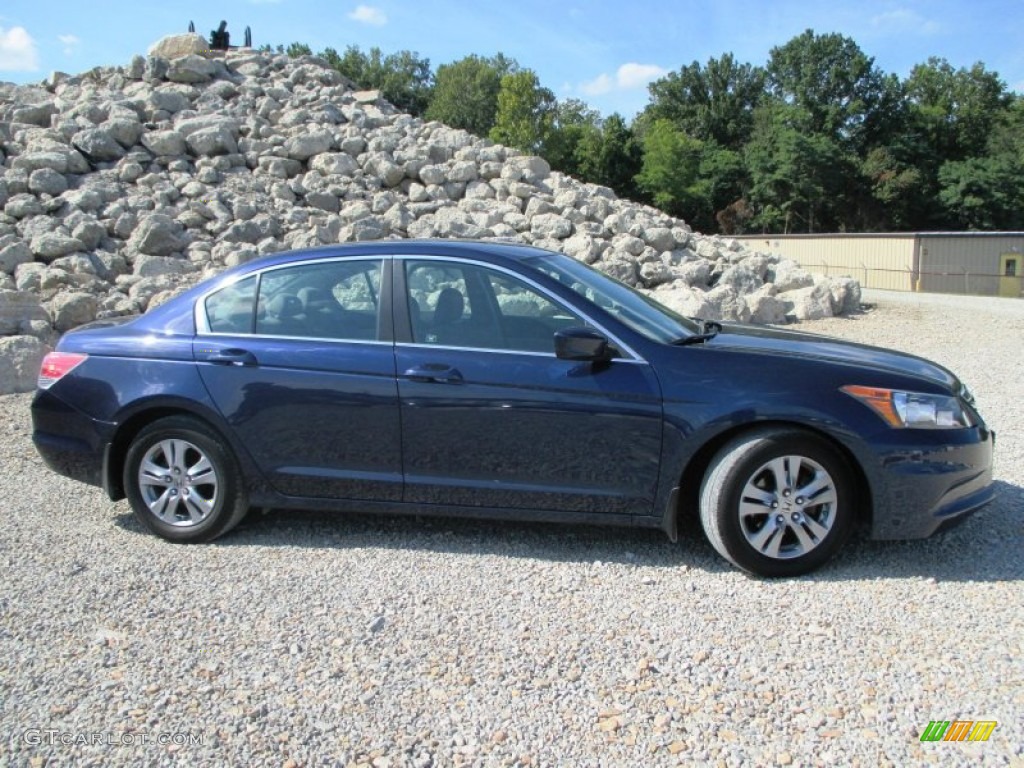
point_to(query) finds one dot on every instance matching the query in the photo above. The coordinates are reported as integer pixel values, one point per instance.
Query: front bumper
(924, 488)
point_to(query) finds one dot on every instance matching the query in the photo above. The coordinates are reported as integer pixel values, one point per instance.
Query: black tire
(216, 499)
(788, 539)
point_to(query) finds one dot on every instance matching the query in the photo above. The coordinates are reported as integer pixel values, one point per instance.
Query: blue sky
(602, 52)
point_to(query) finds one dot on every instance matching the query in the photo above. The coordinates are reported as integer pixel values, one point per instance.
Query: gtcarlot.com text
(52, 737)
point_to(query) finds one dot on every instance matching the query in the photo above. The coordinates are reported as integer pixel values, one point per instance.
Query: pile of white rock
(123, 185)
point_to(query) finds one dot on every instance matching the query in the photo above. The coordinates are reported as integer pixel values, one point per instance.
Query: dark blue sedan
(499, 380)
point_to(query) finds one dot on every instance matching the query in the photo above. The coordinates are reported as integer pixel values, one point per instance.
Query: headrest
(284, 306)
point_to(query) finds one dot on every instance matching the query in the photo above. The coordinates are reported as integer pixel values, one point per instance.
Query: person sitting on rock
(220, 38)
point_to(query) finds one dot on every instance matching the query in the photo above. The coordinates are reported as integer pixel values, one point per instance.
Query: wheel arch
(684, 504)
(133, 423)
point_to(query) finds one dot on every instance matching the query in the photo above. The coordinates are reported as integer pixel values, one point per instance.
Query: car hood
(779, 342)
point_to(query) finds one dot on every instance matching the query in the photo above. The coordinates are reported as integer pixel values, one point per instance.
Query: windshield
(644, 315)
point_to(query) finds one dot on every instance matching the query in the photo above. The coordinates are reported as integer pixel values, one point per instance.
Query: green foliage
(983, 192)
(403, 78)
(466, 92)
(572, 123)
(955, 109)
(713, 103)
(526, 112)
(797, 178)
(837, 88)
(670, 171)
(610, 156)
(298, 49)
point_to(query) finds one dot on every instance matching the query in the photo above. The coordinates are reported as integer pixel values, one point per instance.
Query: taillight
(57, 365)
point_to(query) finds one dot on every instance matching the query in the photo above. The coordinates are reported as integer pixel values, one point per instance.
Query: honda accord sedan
(503, 381)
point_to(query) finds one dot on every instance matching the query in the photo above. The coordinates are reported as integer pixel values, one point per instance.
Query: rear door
(490, 417)
(300, 362)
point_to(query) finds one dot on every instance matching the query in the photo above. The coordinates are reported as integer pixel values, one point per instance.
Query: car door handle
(230, 357)
(434, 372)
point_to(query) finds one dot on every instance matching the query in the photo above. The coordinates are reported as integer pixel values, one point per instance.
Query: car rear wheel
(777, 502)
(182, 484)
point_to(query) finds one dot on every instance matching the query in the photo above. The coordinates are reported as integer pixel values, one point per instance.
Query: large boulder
(13, 254)
(175, 46)
(811, 303)
(20, 359)
(164, 142)
(191, 69)
(98, 145)
(72, 309)
(53, 245)
(157, 235)
(20, 311)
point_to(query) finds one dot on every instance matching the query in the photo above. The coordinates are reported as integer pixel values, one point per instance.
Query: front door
(305, 377)
(1010, 275)
(490, 417)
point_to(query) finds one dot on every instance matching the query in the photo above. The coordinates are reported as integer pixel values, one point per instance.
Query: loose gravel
(310, 639)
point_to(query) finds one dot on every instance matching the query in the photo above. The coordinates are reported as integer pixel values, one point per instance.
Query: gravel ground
(308, 639)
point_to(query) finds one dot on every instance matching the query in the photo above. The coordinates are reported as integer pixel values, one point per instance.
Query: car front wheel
(777, 502)
(181, 483)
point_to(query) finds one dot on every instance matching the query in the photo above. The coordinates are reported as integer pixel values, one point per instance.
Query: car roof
(496, 249)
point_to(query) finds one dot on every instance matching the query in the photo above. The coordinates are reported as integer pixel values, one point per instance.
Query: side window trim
(384, 325)
(403, 335)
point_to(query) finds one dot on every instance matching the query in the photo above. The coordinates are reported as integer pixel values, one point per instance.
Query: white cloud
(70, 42)
(367, 14)
(905, 21)
(599, 85)
(17, 50)
(633, 75)
(630, 76)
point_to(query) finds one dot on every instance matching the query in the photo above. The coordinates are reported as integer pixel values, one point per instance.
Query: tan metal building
(982, 263)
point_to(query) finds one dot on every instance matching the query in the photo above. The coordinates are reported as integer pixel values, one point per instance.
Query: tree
(670, 171)
(798, 180)
(572, 121)
(298, 49)
(611, 156)
(983, 192)
(466, 92)
(955, 109)
(837, 89)
(525, 112)
(403, 78)
(713, 103)
(895, 192)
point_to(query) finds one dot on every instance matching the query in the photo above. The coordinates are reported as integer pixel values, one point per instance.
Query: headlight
(914, 410)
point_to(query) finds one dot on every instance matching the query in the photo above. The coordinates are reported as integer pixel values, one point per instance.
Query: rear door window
(327, 300)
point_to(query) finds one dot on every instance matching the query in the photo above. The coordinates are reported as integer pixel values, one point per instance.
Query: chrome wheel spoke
(197, 507)
(778, 469)
(817, 530)
(818, 485)
(747, 509)
(153, 474)
(760, 539)
(825, 497)
(793, 464)
(201, 472)
(751, 493)
(159, 505)
(806, 542)
(775, 542)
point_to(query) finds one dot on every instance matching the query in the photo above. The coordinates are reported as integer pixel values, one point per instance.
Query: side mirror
(581, 344)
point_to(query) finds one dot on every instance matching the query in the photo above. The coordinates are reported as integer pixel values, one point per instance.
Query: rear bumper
(928, 488)
(71, 443)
